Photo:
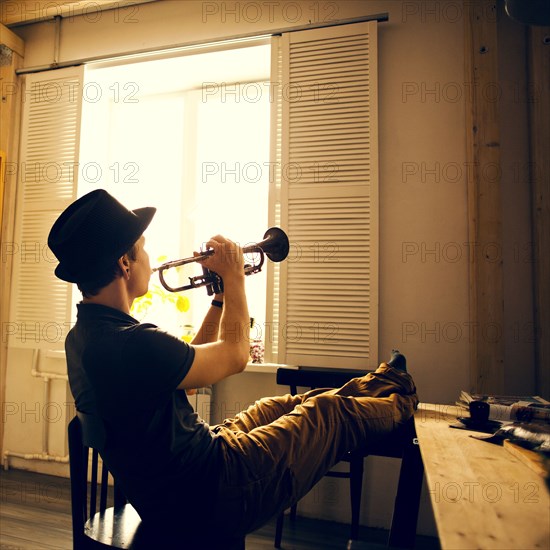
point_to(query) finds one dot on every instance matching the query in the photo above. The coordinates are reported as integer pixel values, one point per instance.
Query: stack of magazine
(510, 408)
(520, 423)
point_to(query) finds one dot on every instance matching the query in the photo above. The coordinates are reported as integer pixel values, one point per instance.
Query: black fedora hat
(92, 233)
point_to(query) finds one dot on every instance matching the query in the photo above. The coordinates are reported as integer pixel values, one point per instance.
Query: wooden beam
(539, 161)
(9, 115)
(10, 109)
(484, 198)
(11, 40)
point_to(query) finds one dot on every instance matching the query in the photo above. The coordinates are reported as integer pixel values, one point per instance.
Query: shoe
(398, 360)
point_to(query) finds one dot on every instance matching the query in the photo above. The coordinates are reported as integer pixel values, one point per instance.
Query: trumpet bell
(275, 244)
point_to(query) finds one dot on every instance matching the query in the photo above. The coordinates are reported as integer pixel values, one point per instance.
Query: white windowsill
(266, 367)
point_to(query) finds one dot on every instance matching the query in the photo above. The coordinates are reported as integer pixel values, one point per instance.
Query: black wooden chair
(400, 444)
(96, 524)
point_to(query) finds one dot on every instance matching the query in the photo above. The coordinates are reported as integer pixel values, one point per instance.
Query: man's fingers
(227, 256)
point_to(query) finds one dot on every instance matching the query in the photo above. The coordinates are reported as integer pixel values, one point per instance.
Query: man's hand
(227, 260)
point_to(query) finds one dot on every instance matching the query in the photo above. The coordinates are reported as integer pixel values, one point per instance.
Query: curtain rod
(381, 17)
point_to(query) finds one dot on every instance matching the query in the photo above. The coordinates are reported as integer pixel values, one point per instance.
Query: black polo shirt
(163, 454)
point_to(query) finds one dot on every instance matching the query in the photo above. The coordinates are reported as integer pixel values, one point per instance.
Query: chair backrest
(93, 431)
(119, 526)
(310, 377)
(87, 433)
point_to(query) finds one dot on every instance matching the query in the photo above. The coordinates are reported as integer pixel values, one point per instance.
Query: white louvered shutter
(47, 180)
(329, 197)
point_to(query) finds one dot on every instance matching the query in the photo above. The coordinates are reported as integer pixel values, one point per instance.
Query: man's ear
(124, 265)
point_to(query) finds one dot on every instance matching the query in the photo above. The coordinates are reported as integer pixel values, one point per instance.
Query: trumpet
(274, 245)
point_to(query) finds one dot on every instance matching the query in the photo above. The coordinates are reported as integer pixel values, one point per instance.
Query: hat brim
(143, 217)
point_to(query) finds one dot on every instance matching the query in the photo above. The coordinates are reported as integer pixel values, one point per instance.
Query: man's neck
(114, 295)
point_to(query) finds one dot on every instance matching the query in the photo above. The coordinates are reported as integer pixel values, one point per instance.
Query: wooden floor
(35, 514)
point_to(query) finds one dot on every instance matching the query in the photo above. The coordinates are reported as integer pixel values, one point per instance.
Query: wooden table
(482, 496)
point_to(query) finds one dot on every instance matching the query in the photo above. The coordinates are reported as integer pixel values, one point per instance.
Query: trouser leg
(262, 412)
(271, 466)
(268, 409)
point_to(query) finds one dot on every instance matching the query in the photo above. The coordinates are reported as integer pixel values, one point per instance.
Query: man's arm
(229, 354)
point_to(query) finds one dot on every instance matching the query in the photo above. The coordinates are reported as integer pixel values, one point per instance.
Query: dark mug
(479, 412)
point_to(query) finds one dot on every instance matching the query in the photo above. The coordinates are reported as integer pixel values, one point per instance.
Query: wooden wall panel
(484, 197)
(11, 59)
(539, 125)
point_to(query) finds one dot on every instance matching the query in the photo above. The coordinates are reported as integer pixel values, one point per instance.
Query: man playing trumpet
(175, 469)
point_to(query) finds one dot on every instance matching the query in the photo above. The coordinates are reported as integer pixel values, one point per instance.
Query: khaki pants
(276, 450)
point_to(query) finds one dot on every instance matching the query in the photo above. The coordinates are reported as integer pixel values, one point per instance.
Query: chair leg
(293, 512)
(119, 498)
(279, 530)
(356, 487)
(407, 501)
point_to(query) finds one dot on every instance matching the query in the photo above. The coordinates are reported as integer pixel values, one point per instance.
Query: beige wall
(424, 249)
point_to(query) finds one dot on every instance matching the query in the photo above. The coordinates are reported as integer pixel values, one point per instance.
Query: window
(170, 149)
(196, 148)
